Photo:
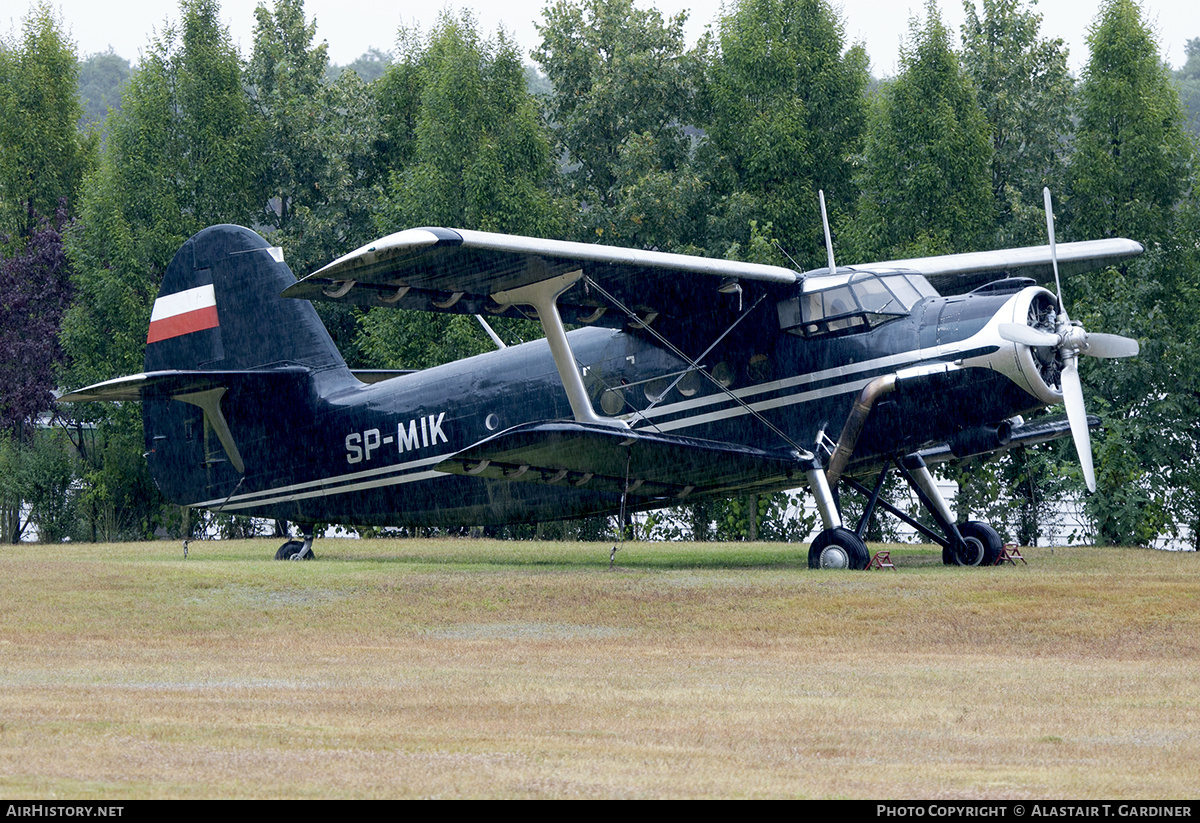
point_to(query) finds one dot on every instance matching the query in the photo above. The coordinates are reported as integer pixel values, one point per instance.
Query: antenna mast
(828, 237)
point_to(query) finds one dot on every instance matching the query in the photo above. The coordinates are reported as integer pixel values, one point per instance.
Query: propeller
(1070, 340)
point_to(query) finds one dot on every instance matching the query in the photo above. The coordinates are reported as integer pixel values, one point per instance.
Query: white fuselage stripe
(339, 480)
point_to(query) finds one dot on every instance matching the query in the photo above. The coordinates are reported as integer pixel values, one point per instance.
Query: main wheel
(290, 549)
(838, 548)
(970, 553)
(993, 545)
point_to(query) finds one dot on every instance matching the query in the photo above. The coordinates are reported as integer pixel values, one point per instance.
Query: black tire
(290, 549)
(993, 546)
(838, 548)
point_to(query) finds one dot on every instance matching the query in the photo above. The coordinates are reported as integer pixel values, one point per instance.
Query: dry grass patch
(474, 668)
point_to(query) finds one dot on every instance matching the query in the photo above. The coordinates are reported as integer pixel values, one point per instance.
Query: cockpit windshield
(851, 301)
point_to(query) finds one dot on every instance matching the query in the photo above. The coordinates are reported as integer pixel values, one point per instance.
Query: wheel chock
(1010, 553)
(882, 560)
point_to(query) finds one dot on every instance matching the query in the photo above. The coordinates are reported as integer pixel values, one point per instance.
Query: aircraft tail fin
(219, 308)
(230, 366)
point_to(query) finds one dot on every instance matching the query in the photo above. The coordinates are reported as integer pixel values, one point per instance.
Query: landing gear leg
(836, 547)
(968, 544)
(297, 549)
(958, 549)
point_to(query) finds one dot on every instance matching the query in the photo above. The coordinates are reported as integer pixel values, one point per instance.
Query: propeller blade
(1072, 390)
(1062, 306)
(1109, 345)
(1020, 333)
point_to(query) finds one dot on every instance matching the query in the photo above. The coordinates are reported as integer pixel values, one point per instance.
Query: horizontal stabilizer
(605, 459)
(170, 383)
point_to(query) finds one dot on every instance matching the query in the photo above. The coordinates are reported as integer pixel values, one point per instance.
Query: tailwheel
(988, 538)
(296, 550)
(838, 548)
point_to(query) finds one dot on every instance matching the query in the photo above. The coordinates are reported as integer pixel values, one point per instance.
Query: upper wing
(960, 272)
(458, 270)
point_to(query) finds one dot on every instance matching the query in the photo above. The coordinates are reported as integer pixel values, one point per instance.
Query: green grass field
(474, 668)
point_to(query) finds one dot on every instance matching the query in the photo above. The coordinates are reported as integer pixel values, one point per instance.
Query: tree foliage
(35, 290)
(925, 178)
(617, 72)
(102, 79)
(481, 153)
(43, 154)
(1026, 92)
(785, 114)
(1130, 176)
(180, 155)
(318, 178)
(1130, 162)
(478, 158)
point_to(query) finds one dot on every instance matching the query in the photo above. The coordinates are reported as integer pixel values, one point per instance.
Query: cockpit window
(850, 301)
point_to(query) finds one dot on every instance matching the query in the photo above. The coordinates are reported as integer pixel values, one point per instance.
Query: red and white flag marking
(183, 313)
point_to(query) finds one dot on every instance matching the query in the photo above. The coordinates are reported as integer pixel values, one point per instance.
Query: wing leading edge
(462, 271)
(958, 272)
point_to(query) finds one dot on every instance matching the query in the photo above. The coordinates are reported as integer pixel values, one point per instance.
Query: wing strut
(543, 297)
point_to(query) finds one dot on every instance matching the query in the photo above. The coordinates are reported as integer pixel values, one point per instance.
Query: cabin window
(852, 301)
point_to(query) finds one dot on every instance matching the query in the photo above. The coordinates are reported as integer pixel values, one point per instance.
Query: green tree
(369, 66)
(102, 79)
(1132, 174)
(181, 154)
(481, 153)
(624, 102)
(1188, 79)
(43, 155)
(925, 177)
(785, 113)
(617, 71)
(478, 158)
(1026, 92)
(1130, 163)
(320, 177)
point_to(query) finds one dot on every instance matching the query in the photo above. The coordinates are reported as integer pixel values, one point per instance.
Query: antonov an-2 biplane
(686, 378)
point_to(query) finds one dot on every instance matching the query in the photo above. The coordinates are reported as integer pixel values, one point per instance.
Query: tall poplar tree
(785, 114)
(478, 158)
(1026, 93)
(1133, 175)
(180, 155)
(1130, 163)
(623, 104)
(925, 178)
(43, 155)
